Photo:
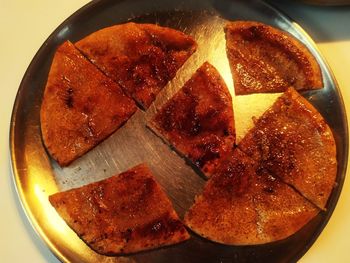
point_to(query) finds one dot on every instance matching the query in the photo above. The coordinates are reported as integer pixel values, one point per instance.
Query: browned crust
(242, 204)
(293, 141)
(265, 59)
(198, 120)
(142, 58)
(80, 106)
(125, 213)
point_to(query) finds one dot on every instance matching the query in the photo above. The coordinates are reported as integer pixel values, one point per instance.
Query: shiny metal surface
(37, 176)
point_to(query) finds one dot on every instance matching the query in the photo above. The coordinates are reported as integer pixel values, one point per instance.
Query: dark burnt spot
(190, 124)
(291, 79)
(156, 227)
(68, 98)
(164, 226)
(181, 116)
(138, 79)
(252, 33)
(234, 178)
(234, 169)
(268, 190)
(156, 42)
(165, 58)
(148, 188)
(150, 69)
(212, 121)
(99, 238)
(127, 234)
(287, 101)
(138, 73)
(166, 118)
(261, 171)
(210, 149)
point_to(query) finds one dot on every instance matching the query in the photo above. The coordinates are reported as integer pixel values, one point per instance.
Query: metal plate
(37, 176)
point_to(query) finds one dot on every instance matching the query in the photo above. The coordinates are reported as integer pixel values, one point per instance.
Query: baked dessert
(293, 142)
(80, 106)
(198, 120)
(125, 213)
(142, 58)
(243, 204)
(265, 59)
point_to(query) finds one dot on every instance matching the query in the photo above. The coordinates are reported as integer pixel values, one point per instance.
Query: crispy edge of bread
(287, 40)
(44, 123)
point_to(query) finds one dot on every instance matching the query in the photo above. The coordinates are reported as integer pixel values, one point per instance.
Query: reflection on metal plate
(37, 176)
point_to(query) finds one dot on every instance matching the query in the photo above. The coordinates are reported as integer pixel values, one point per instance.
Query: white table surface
(24, 26)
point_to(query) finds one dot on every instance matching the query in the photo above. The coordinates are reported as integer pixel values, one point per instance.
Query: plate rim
(95, 3)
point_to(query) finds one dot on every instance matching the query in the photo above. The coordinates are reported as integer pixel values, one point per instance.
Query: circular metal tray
(37, 176)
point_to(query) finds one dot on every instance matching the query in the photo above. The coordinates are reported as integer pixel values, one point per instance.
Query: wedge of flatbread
(242, 204)
(198, 120)
(265, 59)
(80, 106)
(294, 142)
(142, 58)
(125, 213)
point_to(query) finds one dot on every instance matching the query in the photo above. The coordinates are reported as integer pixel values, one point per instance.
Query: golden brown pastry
(80, 106)
(198, 120)
(125, 213)
(265, 59)
(142, 58)
(242, 204)
(294, 142)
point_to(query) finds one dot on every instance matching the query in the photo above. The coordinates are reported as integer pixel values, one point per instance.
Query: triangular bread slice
(242, 204)
(198, 120)
(80, 106)
(142, 58)
(265, 59)
(294, 142)
(125, 213)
